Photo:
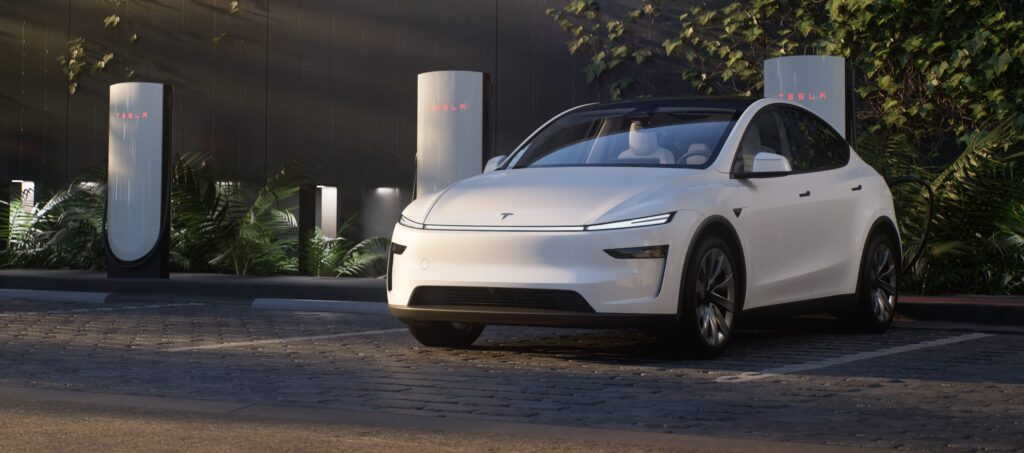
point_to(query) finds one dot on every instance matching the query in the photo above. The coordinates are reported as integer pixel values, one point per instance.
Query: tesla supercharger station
(819, 83)
(450, 128)
(138, 162)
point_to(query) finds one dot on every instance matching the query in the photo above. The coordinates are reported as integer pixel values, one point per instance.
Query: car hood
(558, 196)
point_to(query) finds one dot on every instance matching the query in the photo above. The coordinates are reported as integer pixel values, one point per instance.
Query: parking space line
(107, 308)
(282, 340)
(801, 367)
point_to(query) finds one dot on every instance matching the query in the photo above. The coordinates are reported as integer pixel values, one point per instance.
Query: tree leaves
(111, 21)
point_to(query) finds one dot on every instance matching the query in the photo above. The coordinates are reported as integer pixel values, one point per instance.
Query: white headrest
(641, 142)
(698, 148)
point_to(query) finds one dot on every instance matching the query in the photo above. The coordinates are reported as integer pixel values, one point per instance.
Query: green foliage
(81, 53)
(63, 232)
(73, 63)
(216, 227)
(611, 43)
(976, 241)
(938, 93)
(342, 257)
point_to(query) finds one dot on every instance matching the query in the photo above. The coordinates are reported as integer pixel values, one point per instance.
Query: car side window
(765, 134)
(815, 146)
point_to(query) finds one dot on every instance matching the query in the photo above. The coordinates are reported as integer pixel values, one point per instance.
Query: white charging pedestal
(138, 181)
(451, 128)
(819, 83)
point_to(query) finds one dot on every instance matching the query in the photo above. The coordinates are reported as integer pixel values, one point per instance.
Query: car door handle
(857, 188)
(806, 194)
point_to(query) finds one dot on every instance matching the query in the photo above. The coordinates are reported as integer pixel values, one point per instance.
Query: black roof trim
(738, 104)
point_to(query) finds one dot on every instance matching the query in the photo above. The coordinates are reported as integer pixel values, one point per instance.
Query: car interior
(765, 135)
(650, 140)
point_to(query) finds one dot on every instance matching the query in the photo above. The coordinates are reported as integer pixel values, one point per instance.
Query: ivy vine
(923, 69)
(96, 57)
(610, 42)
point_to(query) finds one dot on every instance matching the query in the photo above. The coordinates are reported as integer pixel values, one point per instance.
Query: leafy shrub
(64, 231)
(342, 257)
(217, 226)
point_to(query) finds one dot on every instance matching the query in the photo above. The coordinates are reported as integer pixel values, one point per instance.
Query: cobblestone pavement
(908, 388)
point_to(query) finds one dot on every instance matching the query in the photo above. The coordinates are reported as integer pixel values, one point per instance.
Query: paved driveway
(808, 382)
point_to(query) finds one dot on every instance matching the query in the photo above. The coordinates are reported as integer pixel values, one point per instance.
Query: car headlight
(632, 223)
(410, 223)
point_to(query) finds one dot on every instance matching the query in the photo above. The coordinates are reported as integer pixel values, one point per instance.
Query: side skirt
(833, 304)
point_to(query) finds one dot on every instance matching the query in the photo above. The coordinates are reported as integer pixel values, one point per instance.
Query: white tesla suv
(670, 215)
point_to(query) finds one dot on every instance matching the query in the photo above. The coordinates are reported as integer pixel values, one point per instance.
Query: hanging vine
(82, 54)
(234, 9)
(610, 42)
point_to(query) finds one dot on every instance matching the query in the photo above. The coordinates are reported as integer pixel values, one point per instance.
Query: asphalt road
(181, 375)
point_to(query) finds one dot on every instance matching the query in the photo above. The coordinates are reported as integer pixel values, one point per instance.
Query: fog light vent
(657, 251)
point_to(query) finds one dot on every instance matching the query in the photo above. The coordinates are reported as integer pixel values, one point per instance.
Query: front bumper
(526, 317)
(619, 291)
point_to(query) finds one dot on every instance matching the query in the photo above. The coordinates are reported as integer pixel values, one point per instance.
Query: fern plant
(976, 239)
(64, 231)
(342, 257)
(216, 227)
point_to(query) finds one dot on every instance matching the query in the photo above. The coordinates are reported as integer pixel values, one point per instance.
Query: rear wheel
(445, 334)
(879, 284)
(711, 299)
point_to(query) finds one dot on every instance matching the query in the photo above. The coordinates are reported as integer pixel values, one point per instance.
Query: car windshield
(665, 137)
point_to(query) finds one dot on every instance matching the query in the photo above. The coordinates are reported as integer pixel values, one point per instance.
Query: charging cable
(914, 179)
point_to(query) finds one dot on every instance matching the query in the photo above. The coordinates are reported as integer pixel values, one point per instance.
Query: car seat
(644, 145)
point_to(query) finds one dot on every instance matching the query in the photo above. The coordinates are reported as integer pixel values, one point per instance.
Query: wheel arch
(719, 226)
(884, 225)
(881, 225)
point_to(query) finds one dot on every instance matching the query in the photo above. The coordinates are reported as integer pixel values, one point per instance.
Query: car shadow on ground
(635, 345)
(768, 344)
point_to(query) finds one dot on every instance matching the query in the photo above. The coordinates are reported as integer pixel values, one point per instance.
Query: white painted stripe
(334, 306)
(282, 340)
(83, 297)
(108, 308)
(841, 360)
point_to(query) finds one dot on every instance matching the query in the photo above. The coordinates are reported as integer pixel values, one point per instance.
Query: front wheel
(445, 334)
(711, 299)
(879, 284)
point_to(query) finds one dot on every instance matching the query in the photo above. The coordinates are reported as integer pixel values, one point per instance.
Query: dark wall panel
(327, 84)
(11, 39)
(33, 96)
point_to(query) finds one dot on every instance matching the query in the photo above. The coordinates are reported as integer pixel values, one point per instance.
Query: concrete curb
(999, 311)
(331, 306)
(82, 297)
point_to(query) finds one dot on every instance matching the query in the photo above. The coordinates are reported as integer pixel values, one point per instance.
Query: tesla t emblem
(505, 215)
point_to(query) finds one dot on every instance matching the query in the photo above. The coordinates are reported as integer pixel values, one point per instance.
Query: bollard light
(327, 210)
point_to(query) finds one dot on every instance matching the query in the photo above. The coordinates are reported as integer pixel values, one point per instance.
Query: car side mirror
(766, 165)
(493, 163)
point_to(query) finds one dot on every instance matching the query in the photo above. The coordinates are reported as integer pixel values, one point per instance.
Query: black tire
(707, 324)
(878, 285)
(445, 334)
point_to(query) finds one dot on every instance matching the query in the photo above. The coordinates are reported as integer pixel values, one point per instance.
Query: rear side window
(814, 145)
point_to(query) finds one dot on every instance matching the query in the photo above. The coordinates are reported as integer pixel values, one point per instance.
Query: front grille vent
(462, 296)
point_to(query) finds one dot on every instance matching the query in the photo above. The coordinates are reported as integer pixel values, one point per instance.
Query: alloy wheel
(716, 297)
(883, 285)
